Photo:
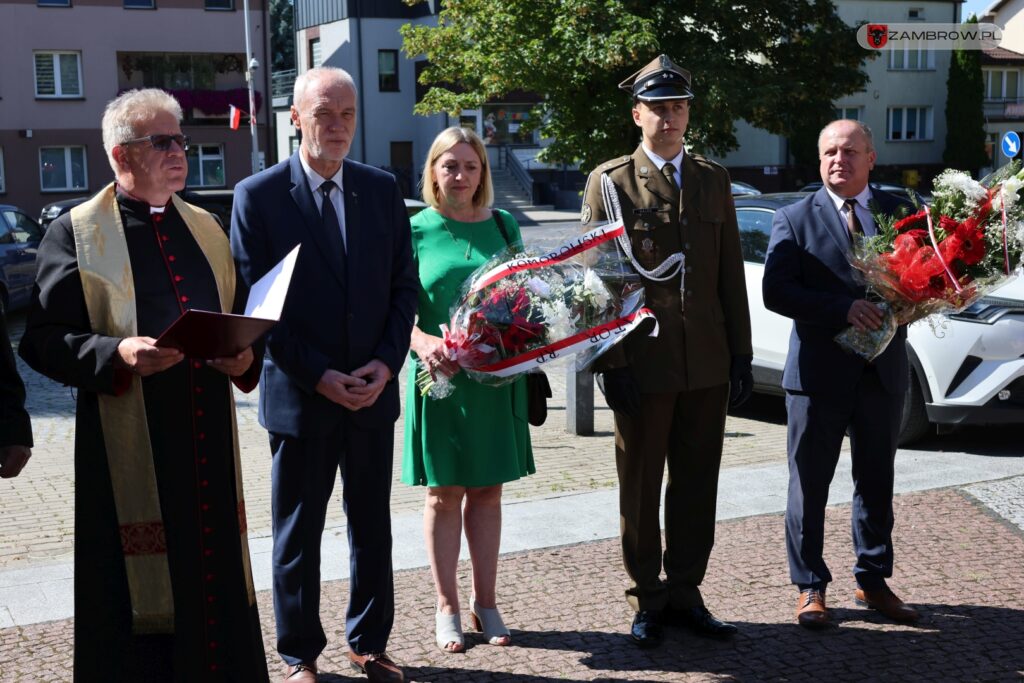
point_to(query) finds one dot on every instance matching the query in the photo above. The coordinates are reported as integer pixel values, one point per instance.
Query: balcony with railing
(1004, 109)
(282, 85)
(206, 85)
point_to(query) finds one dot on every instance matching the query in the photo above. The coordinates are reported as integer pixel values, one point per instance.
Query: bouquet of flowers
(521, 310)
(942, 258)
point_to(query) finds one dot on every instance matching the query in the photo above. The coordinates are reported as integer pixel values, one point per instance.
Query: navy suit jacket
(339, 313)
(807, 278)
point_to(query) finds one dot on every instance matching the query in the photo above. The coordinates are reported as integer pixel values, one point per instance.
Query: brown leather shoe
(810, 609)
(885, 601)
(378, 667)
(301, 673)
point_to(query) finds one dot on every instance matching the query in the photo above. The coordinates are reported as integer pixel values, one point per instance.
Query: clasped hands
(358, 389)
(864, 315)
(142, 356)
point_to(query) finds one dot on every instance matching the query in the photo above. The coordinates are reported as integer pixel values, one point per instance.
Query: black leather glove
(621, 391)
(741, 380)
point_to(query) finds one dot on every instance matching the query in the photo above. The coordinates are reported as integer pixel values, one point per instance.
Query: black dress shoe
(701, 621)
(646, 629)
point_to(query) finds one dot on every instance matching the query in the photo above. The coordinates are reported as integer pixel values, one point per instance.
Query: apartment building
(903, 103)
(1009, 16)
(61, 61)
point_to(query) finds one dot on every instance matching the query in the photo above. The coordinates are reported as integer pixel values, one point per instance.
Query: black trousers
(303, 476)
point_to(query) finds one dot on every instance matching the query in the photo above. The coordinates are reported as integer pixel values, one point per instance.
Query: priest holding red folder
(163, 586)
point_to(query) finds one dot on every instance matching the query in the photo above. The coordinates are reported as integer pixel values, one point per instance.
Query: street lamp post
(252, 64)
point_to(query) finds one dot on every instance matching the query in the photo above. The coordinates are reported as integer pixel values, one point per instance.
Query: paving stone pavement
(568, 617)
(37, 508)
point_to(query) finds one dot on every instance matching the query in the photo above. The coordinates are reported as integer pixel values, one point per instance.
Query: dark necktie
(669, 171)
(852, 222)
(330, 217)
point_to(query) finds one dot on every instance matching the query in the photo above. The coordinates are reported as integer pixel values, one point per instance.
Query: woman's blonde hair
(444, 141)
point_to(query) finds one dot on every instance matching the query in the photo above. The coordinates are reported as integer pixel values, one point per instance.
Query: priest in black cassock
(163, 586)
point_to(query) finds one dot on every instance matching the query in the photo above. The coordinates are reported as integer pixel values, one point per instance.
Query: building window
(387, 70)
(314, 53)
(914, 57)
(3, 181)
(205, 166)
(220, 4)
(62, 169)
(53, 3)
(294, 142)
(140, 4)
(1002, 85)
(58, 74)
(915, 14)
(503, 124)
(853, 113)
(909, 123)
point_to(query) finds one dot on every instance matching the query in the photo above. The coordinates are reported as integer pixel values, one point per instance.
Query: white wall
(1011, 19)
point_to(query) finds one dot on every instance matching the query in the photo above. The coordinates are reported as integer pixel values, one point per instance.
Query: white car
(968, 370)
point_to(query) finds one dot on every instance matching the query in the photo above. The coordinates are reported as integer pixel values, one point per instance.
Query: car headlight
(51, 212)
(988, 309)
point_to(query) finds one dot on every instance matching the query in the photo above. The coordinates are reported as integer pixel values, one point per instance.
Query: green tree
(778, 64)
(282, 35)
(965, 118)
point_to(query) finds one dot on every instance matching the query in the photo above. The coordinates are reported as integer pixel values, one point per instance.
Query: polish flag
(234, 117)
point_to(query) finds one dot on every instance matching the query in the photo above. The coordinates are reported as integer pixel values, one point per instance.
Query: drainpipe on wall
(359, 65)
(268, 97)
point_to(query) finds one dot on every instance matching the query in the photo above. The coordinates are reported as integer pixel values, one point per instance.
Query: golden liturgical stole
(106, 273)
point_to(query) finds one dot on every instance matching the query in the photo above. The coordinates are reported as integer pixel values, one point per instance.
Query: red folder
(208, 335)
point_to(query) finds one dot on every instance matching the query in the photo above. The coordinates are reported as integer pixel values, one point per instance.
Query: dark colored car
(741, 189)
(898, 190)
(19, 243)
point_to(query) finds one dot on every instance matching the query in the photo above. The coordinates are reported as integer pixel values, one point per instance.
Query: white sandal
(488, 621)
(448, 632)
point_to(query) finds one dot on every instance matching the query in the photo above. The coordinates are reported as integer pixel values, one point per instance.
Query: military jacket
(695, 342)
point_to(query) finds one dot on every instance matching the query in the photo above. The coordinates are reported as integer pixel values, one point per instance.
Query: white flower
(950, 183)
(596, 288)
(539, 287)
(559, 320)
(1010, 187)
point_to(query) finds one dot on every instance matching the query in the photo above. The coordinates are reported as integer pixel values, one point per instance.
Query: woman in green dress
(464, 447)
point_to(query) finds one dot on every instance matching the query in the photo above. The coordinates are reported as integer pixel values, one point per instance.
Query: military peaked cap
(659, 80)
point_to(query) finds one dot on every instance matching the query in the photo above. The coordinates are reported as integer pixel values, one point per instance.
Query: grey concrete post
(579, 401)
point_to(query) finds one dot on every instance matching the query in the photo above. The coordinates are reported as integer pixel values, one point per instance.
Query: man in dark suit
(831, 392)
(328, 395)
(670, 393)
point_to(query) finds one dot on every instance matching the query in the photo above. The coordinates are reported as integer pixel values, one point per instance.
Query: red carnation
(910, 221)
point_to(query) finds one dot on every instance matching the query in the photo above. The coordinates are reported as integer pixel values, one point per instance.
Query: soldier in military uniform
(670, 393)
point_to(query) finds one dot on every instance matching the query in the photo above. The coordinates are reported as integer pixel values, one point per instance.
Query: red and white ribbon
(574, 344)
(571, 248)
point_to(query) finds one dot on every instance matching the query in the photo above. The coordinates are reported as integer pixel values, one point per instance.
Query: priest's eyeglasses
(162, 142)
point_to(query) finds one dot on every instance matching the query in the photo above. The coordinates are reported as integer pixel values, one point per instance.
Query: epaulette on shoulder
(704, 161)
(613, 164)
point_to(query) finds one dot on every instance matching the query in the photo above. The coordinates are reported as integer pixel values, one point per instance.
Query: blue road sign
(1011, 145)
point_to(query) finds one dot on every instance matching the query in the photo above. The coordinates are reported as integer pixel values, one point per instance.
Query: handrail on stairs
(518, 171)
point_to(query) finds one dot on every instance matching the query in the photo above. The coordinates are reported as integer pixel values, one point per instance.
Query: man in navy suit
(831, 392)
(327, 391)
